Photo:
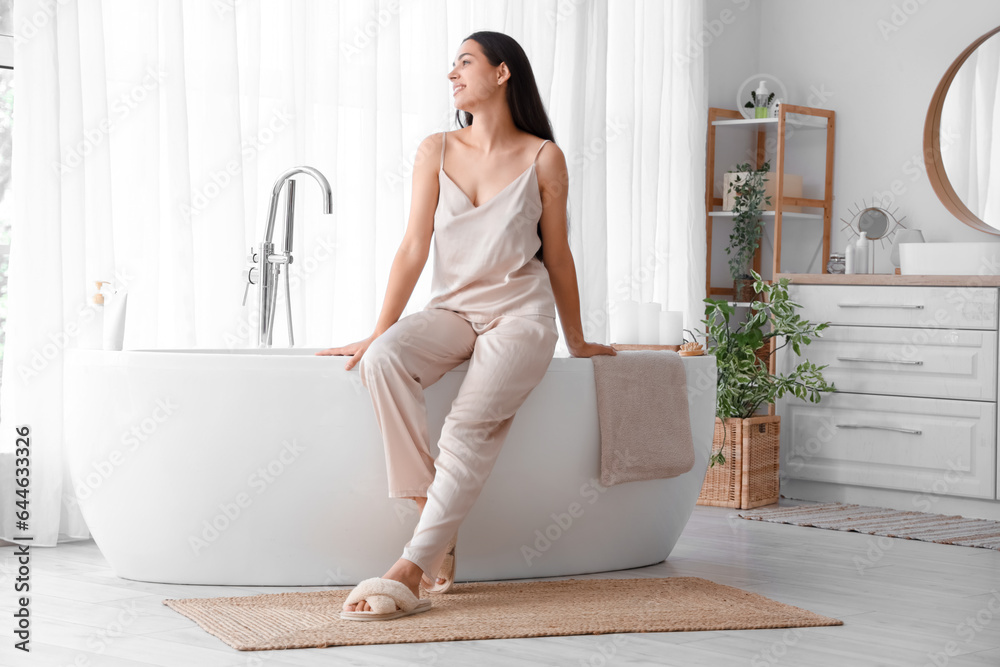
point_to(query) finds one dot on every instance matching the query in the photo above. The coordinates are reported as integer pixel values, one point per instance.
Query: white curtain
(149, 133)
(970, 132)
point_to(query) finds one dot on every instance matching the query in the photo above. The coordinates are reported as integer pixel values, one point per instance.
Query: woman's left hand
(591, 349)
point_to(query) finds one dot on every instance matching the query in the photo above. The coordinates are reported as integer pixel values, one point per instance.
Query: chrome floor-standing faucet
(266, 264)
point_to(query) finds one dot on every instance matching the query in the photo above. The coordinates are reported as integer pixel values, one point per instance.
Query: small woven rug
(503, 610)
(939, 528)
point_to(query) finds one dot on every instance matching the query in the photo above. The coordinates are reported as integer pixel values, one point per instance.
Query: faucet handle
(249, 275)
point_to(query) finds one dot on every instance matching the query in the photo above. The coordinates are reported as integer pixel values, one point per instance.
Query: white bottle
(114, 320)
(849, 259)
(760, 108)
(861, 254)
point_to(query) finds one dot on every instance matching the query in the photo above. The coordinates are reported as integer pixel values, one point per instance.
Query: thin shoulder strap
(539, 150)
(443, 135)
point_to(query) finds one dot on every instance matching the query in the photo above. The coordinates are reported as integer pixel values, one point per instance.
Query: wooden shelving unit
(816, 119)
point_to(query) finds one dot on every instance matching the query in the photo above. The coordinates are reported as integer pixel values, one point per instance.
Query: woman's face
(473, 79)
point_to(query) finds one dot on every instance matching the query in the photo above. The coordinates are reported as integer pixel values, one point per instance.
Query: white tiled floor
(902, 602)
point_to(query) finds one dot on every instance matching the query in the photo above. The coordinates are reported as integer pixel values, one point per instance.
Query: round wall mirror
(874, 222)
(962, 136)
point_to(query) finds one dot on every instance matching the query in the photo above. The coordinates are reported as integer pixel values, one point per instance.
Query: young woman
(491, 198)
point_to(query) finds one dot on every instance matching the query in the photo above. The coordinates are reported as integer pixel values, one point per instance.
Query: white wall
(876, 63)
(732, 32)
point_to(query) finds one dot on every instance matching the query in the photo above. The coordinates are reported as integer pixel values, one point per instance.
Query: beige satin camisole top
(484, 256)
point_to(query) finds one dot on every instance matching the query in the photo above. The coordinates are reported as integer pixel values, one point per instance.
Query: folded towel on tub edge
(642, 407)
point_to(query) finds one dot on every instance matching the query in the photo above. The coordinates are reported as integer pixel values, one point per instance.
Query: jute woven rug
(939, 528)
(496, 611)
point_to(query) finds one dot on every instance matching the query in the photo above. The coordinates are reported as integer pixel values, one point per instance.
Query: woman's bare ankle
(420, 501)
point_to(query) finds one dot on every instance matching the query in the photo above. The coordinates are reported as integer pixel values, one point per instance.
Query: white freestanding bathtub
(266, 467)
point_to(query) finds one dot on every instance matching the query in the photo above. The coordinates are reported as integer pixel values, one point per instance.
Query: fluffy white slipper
(447, 572)
(383, 595)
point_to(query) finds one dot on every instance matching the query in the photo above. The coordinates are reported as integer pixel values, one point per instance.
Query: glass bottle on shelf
(837, 263)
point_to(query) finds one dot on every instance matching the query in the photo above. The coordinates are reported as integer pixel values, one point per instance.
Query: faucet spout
(276, 190)
(270, 261)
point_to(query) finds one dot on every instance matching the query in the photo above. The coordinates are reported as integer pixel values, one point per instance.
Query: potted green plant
(748, 191)
(748, 477)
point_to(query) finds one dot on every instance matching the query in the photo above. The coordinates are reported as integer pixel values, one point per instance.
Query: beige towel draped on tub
(642, 407)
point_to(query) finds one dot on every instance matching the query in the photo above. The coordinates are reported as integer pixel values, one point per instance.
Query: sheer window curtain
(149, 134)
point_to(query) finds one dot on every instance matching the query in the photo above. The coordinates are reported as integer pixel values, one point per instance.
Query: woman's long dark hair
(525, 103)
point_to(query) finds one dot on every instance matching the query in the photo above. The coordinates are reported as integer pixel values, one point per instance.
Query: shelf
(767, 123)
(770, 214)
(792, 117)
(889, 279)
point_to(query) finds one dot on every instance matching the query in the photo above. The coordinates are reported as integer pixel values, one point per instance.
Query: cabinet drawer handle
(882, 305)
(908, 362)
(881, 428)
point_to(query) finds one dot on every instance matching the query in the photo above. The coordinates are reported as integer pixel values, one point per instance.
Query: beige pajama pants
(508, 356)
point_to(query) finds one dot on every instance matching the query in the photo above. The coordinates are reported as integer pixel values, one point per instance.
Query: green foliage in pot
(745, 382)
(748, 226)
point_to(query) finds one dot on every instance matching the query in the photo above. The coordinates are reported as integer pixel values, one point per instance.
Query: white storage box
(793, 188)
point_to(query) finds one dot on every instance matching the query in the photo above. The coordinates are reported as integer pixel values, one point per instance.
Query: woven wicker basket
(749, 477)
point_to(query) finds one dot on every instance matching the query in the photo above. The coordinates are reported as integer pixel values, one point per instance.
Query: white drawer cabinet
(898, 306)
(894, 442)
(937, 363)
(916, 403)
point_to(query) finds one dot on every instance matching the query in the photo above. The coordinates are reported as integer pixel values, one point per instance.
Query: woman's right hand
(354, 350)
